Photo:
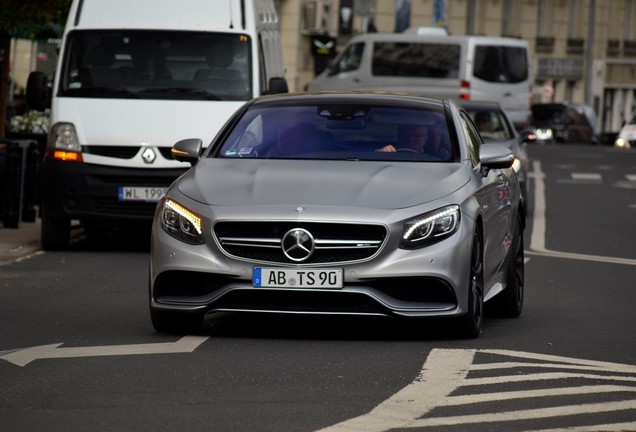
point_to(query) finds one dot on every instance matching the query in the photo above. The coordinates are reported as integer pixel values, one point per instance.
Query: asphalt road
(78, 352)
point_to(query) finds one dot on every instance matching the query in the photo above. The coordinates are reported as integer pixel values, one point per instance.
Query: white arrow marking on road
(25, 356)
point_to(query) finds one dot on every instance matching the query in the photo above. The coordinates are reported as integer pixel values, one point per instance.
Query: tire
(509, 302)
(55, 234)
(471, 323)
(176, 322)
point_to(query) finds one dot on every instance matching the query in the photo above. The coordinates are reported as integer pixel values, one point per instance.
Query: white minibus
(476, 68)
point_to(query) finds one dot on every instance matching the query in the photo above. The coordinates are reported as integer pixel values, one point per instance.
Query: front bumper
(72, 190)
(432, 281)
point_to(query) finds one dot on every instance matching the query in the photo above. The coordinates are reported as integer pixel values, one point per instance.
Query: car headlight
(544, 134)
(430, 227)
(181, 223)
(516, 165)
(622, 143)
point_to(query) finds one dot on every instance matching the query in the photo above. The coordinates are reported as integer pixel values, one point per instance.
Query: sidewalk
(18, 242)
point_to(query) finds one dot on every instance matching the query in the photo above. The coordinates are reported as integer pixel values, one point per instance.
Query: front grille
(122, 152)
(119, 152)
(334, 242)
(298, 301)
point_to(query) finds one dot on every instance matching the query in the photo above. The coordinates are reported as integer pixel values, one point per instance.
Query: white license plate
(144, 193)
(296, 278)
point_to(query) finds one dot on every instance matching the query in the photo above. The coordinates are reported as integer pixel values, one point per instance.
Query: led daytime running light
(448, 212)
(184, 212)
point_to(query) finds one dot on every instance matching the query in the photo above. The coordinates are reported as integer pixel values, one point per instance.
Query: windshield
(491, 124)
(548, 114)
(157, 65)
(339, 132)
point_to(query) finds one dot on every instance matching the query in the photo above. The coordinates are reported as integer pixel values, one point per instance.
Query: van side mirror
(277, 85)
(38, 91)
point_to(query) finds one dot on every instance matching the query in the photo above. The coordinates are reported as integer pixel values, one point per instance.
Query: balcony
(544, 44)
(629, 47)
(575, 46)
(613, 47)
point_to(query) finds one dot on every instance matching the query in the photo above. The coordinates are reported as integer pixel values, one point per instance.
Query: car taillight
(464, 92)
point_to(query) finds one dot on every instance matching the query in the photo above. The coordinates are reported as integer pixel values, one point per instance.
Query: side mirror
(38, 91)
(277, 85)
(528, 136)
(187, 150)
(495, 156)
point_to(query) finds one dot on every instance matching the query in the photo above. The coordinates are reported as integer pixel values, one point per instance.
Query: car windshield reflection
(340, 132)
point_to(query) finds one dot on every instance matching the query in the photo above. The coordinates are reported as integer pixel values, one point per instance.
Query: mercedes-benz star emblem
(148, 155)
(298, 244)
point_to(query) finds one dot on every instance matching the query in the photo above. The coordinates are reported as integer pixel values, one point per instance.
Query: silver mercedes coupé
(340, 204)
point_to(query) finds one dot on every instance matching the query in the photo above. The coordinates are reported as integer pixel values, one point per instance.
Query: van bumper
(72, 190)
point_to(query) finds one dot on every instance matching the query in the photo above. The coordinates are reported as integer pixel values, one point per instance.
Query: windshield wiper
(179, 91)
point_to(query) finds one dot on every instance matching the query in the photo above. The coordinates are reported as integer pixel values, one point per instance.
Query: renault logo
(298, 244)
(148, 155)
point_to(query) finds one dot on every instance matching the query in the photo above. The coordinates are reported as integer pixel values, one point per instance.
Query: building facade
(566, 67)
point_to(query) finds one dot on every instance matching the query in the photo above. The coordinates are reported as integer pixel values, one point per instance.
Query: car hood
(381, 185)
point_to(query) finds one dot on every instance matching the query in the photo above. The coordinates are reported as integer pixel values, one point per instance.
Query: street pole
(589, 55)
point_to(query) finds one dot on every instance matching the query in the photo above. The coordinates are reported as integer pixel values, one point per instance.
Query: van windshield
(414, 59)
(501, 64)
(157, 65)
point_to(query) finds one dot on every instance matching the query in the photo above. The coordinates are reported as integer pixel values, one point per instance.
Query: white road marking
(537, 238)
(443, 372)
(540, 413)
(631, 177)
(586, 176)
(25, 356)
(446, 370)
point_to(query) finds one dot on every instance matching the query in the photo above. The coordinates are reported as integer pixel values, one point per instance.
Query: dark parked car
(563, 123)
(316, 204)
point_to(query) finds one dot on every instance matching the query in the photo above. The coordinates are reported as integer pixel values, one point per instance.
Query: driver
(409, 137)
(415, 138)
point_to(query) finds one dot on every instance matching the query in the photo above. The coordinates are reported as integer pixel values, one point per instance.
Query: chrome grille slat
(261, 242)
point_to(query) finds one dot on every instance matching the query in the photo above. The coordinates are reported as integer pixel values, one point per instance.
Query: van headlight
(64, 137)
(430, 227)
(181, 223)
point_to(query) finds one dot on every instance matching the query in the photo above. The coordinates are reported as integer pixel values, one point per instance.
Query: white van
(133, 78)
(476, 68)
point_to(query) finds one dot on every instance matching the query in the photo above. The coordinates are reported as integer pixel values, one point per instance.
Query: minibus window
(501, 64)
(423, 60)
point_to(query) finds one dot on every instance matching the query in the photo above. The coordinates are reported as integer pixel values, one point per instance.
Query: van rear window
(501, 64)
(423, 60)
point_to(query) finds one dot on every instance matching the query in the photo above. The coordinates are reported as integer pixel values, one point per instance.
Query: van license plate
(296, 278)
(144, 193)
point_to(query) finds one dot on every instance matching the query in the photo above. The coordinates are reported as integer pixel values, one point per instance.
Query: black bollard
(13, 186)
(30, 186)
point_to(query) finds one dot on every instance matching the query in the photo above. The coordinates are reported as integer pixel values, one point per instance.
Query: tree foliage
(23, 19)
